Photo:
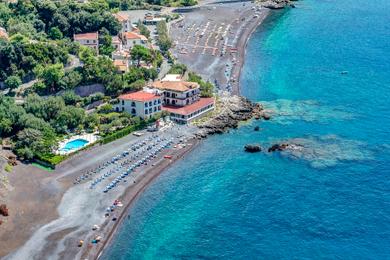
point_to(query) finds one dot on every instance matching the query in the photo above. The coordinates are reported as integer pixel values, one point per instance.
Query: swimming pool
(74, 145)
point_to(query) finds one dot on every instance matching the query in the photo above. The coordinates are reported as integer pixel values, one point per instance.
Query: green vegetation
(206, 88)
(41, 32)
(8, 168)
(163, 40)
(178, 69)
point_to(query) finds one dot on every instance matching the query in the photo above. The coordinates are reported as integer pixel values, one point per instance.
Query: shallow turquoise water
(74, 145)
(333, 200)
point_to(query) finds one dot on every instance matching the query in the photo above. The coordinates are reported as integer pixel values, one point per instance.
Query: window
(150, 110)
(87, 41)
(133, 104)
(133, 111)
(146, 111)
(123, 102)
(155, 102)
(146, 104)
(150, 103)
(123, 109)
(159, 108)
(159, 101)
(155, 109)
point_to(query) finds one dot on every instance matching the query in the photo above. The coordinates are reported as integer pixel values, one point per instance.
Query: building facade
(132, 38)
(88, 39)
(182, 100)
(142, 104)
(124, 22)
(178, 93)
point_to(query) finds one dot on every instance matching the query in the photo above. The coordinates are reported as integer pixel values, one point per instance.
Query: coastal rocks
(324, 151)
(274, 4)
(252, 148)
(286, 112)
(233, 110)
(278, 147)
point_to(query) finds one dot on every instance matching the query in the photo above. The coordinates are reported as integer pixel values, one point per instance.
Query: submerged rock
(252, 148)
(325, 151)
(257, 128)
(277, 147)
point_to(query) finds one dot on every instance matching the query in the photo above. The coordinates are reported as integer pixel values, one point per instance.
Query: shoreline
(130, 194)
(238, 69)
(236, 91)
(131, 200)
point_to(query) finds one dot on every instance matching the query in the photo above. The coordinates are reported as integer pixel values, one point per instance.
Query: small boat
(344, 72)
(168, 156)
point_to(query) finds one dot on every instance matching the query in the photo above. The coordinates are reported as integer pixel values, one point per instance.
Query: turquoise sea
(329, 200)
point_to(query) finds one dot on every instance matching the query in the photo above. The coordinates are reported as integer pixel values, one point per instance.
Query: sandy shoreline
(132, 198)
(212, 39)
(32, 242)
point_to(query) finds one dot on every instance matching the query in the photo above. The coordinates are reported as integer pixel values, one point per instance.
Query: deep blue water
(330, 201)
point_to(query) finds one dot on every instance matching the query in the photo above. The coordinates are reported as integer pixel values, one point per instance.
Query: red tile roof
(203, 102)
(179, 86)
(134, 36)
(139, 96)
(121, 17)
(86, 36)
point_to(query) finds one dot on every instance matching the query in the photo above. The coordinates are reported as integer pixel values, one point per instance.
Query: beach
(54, 228)
(212, 38)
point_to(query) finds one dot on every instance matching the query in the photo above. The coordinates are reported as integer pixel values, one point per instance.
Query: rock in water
(266, 116)
(277, 147)
(252, 148)
(257, 128)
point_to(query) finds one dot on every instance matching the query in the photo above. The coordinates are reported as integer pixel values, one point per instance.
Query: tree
(71, 79)
(55, 33)
(105, 42)
(143, 29)
(163, 40)
(70, 98)
(51, 75)
(12, 82)
(139, 53)
(178, 69)
(206, 88)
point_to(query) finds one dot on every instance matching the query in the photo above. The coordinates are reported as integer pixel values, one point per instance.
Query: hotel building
(141, 103)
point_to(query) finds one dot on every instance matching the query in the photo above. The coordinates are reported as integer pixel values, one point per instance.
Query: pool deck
(90, 138)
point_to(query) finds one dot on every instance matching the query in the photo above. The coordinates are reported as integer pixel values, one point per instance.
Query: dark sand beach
(211, 40)
(49, 215)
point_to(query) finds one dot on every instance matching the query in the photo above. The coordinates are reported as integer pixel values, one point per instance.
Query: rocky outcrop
(252, 148)
(277, 147)
(231, 111)
(275, 4)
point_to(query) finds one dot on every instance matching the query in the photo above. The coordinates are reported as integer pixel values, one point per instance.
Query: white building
(182, 99)
(117, 43)
(124, 21)
(88, 39)
(178, 93)
(141, 103)
(132, 38)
